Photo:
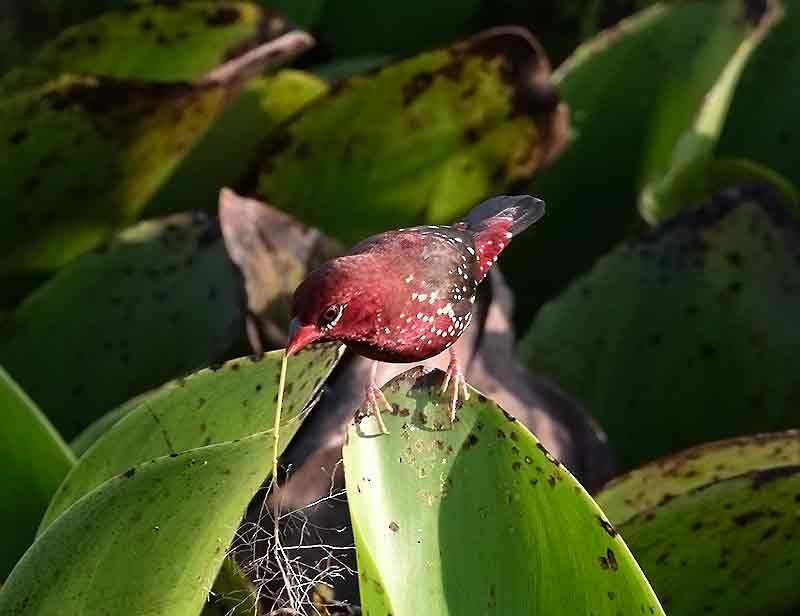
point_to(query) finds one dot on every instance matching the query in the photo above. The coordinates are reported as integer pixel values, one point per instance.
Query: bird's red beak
(300, 336)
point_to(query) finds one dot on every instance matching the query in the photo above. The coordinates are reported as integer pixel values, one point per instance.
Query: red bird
(406, 295)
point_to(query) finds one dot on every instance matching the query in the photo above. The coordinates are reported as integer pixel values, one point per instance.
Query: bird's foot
(455, 378)
(375, 402)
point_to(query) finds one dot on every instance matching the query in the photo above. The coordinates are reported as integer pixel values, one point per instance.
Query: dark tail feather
(522, 210)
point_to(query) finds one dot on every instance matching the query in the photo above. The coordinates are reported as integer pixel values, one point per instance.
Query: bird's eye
(331, 315)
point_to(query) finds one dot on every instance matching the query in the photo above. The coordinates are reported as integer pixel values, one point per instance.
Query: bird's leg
(455, 376)
(374, 399)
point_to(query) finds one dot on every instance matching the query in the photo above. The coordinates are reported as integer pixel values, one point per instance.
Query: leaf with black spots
(224, 154)
(448, 499)
(82, 157)
(152, 41)
(436, 134)
(742, 528)
(659, 482)
(211, 406)
(659, 339)
(128, 531)
(162, 299)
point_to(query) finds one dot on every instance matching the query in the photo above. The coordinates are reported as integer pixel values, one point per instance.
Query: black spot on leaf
(612, 532)
(416, 86)
(223, 16)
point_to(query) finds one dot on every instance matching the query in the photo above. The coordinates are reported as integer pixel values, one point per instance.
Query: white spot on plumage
(422, 297)
(409, 278)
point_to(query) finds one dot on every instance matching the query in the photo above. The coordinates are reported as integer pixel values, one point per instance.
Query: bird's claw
(374, 400)
(459, 386)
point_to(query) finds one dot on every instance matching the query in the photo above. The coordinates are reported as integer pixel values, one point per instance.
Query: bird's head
(334, 302)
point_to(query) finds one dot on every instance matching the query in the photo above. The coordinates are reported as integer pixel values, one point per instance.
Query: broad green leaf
(96, 429)
(435, 134)
(149, 541)
(228, 150)
(692, 110)
(356, 27)
(659, 482)
(612, 85)
(686, 335)
(210, 406)
(477, 517)
(762, 124)
(160, 300)
(33, 461)
(82, 156)
(729, 547)
(153, 42)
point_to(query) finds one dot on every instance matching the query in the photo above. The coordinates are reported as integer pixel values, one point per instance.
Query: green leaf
(96, 429)
(762, 122)
(211, 406)
(82, 157)
(659, 339)
(161, 300)
(153, 42)
(435, 134)
(33, 461)
(433, 504)
(612, 85)
(659, 482)
(728, 547)
(228, 150)
(691, 113)
(151, 539)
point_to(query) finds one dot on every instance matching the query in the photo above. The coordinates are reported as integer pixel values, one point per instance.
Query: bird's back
(428, 276)
(428, 280)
